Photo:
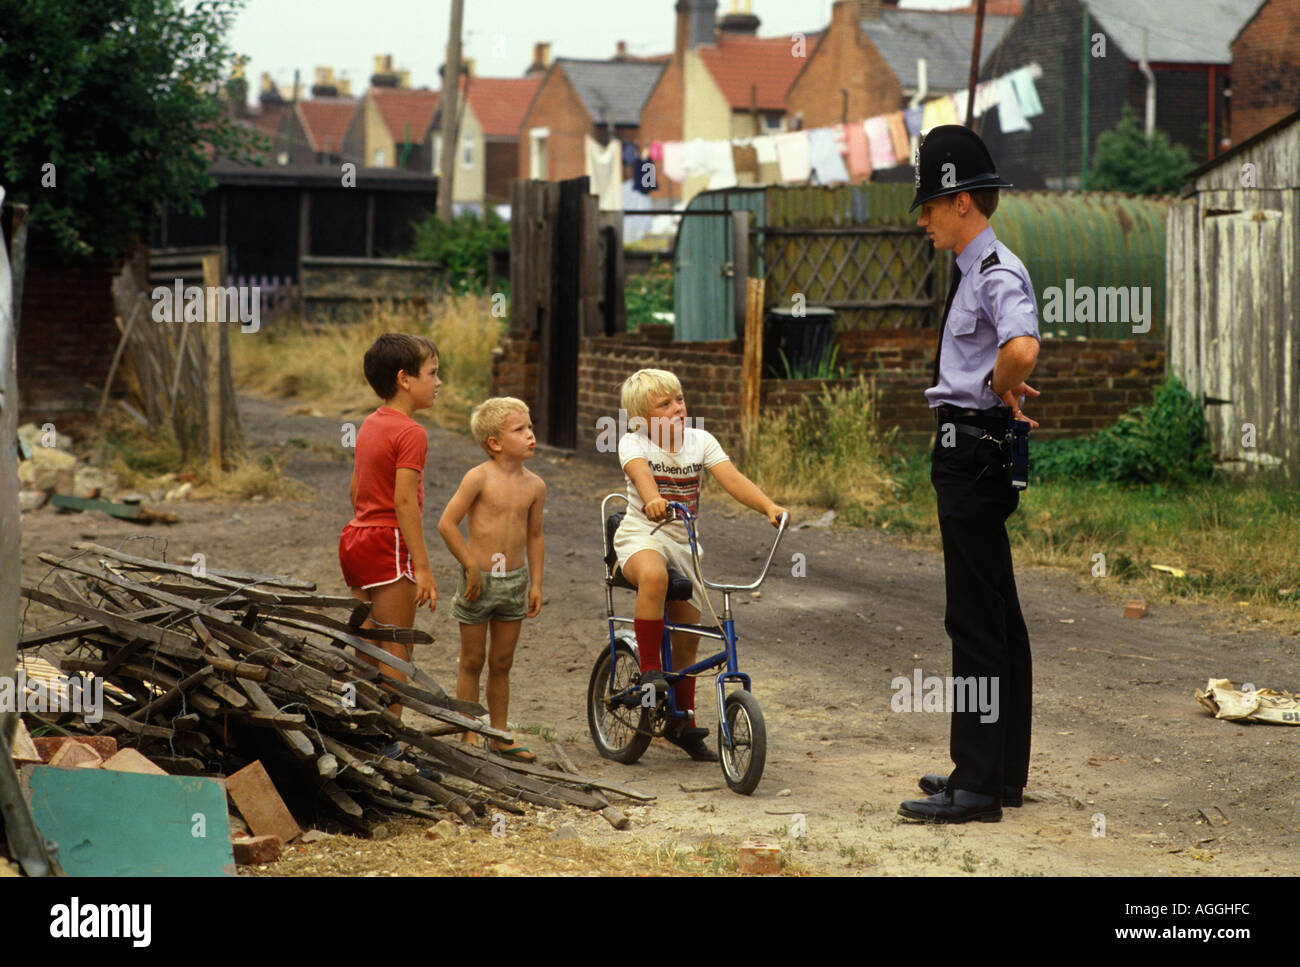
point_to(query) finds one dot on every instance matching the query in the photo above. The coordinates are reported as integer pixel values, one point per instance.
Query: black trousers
(982, 616)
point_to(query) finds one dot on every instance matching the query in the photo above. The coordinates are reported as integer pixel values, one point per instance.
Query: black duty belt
(944, 413)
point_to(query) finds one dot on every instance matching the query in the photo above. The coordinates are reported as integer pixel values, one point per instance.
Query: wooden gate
(855, 250)
(566, 281)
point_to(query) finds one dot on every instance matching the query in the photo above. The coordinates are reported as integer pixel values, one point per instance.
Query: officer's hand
(1015, 396)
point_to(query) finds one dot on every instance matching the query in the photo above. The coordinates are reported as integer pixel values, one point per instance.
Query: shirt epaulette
(990, 260)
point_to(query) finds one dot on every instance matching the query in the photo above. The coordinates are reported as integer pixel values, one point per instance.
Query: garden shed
(1234, 306)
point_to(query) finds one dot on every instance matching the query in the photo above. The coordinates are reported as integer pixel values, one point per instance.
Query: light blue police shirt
(994, 304)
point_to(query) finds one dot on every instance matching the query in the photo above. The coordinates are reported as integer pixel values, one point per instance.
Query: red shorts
(374, 556)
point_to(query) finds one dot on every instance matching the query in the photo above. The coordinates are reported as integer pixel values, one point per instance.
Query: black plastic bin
(803, 338)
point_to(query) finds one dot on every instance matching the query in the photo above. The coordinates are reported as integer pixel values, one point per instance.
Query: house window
(380, 158)
(773, 122)
(466, 153)
(538, 139)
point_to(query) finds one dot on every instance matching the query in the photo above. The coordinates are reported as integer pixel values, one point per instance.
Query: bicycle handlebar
(686, 517)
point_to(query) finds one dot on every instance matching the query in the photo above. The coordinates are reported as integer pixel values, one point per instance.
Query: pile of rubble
(205, 672)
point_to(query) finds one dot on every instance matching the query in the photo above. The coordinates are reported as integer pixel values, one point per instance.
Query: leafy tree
(461, 247)
(1126, 161)
(123, 98)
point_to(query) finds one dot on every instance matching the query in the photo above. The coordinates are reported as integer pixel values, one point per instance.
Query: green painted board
(125, 511)
(126, 824)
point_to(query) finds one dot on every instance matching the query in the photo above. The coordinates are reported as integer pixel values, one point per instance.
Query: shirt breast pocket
(962, 322)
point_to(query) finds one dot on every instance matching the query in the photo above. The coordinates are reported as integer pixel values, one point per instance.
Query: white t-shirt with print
(678, 475)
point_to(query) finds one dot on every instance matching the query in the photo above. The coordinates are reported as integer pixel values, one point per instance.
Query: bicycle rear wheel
(742, 762)
(620, 733)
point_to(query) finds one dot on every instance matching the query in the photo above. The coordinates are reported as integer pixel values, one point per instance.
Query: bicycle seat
(679, 585)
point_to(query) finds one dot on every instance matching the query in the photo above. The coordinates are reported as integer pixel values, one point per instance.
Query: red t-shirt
(387, 440)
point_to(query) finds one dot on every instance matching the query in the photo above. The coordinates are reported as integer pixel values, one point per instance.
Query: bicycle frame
(726, 633)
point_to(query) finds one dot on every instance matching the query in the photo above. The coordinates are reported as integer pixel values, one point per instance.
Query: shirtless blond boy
(502, 561)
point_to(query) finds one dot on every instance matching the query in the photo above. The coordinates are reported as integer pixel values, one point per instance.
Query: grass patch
(1236, 540)
(825, 451)
(322, 365)
(145, 459)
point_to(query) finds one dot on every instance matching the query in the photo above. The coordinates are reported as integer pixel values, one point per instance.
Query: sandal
(520, 753)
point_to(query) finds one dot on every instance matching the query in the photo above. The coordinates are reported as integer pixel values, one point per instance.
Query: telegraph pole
(450, 111)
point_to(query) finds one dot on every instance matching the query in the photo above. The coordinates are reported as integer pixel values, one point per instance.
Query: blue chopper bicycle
(623, 717)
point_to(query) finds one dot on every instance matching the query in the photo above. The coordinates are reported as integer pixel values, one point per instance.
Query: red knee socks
(684, 692)
(649, 636)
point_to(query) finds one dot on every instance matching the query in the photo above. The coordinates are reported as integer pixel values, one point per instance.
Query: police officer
(988, 344)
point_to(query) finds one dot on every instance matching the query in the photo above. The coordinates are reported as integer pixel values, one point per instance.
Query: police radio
(1018, 447)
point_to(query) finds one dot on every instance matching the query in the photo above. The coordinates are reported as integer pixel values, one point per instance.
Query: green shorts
(504, 598)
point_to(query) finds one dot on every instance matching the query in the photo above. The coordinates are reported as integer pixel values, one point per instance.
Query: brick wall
(515, 368)
(66, 337)
(843, 61)
(1182, 95)
(501, 166)
(1266, 69)
(1086, 385)
(709, 372)
(661, 120)
(557, 106)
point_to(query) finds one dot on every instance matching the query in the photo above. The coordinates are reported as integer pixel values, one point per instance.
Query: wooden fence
(181, 369)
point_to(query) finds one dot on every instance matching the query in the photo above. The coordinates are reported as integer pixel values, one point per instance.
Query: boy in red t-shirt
(381, 550)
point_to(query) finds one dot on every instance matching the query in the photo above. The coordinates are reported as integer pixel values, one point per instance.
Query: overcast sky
(281, 35)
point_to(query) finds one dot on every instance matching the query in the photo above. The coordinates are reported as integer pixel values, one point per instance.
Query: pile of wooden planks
(205, 670)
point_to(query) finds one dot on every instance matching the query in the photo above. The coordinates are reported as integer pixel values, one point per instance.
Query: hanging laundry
(824, 156)
(674, 166)
(697, 157)
(898, 135)
(765, 147)
(657, 152)
(1010, 117)
(841, 137)
(721, 167)
(635, 229)
(629, 153)
(859, 153)
(959, 99)
(604, 166)
(1022, 82)
(986, 97)
(792, 153)
(880, 143)
(912, 118)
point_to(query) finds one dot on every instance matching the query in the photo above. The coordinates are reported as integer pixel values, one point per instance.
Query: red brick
(255, 796)
(256, 850)
(47, 745)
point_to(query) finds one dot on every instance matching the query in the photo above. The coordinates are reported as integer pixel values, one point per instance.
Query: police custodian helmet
(952, 158)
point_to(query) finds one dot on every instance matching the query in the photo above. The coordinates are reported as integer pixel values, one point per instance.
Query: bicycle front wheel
(620, 733)
(743, 760)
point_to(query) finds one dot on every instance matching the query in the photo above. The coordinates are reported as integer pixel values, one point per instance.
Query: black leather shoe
(692, 741)
(656, 680)
(952, 806)
(932, 782)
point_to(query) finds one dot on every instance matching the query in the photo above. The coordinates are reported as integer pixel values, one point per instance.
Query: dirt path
(1117, 732)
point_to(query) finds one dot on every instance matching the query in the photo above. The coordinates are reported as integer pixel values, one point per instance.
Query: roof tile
(325, 119)
(766, 63)
(400, 108)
